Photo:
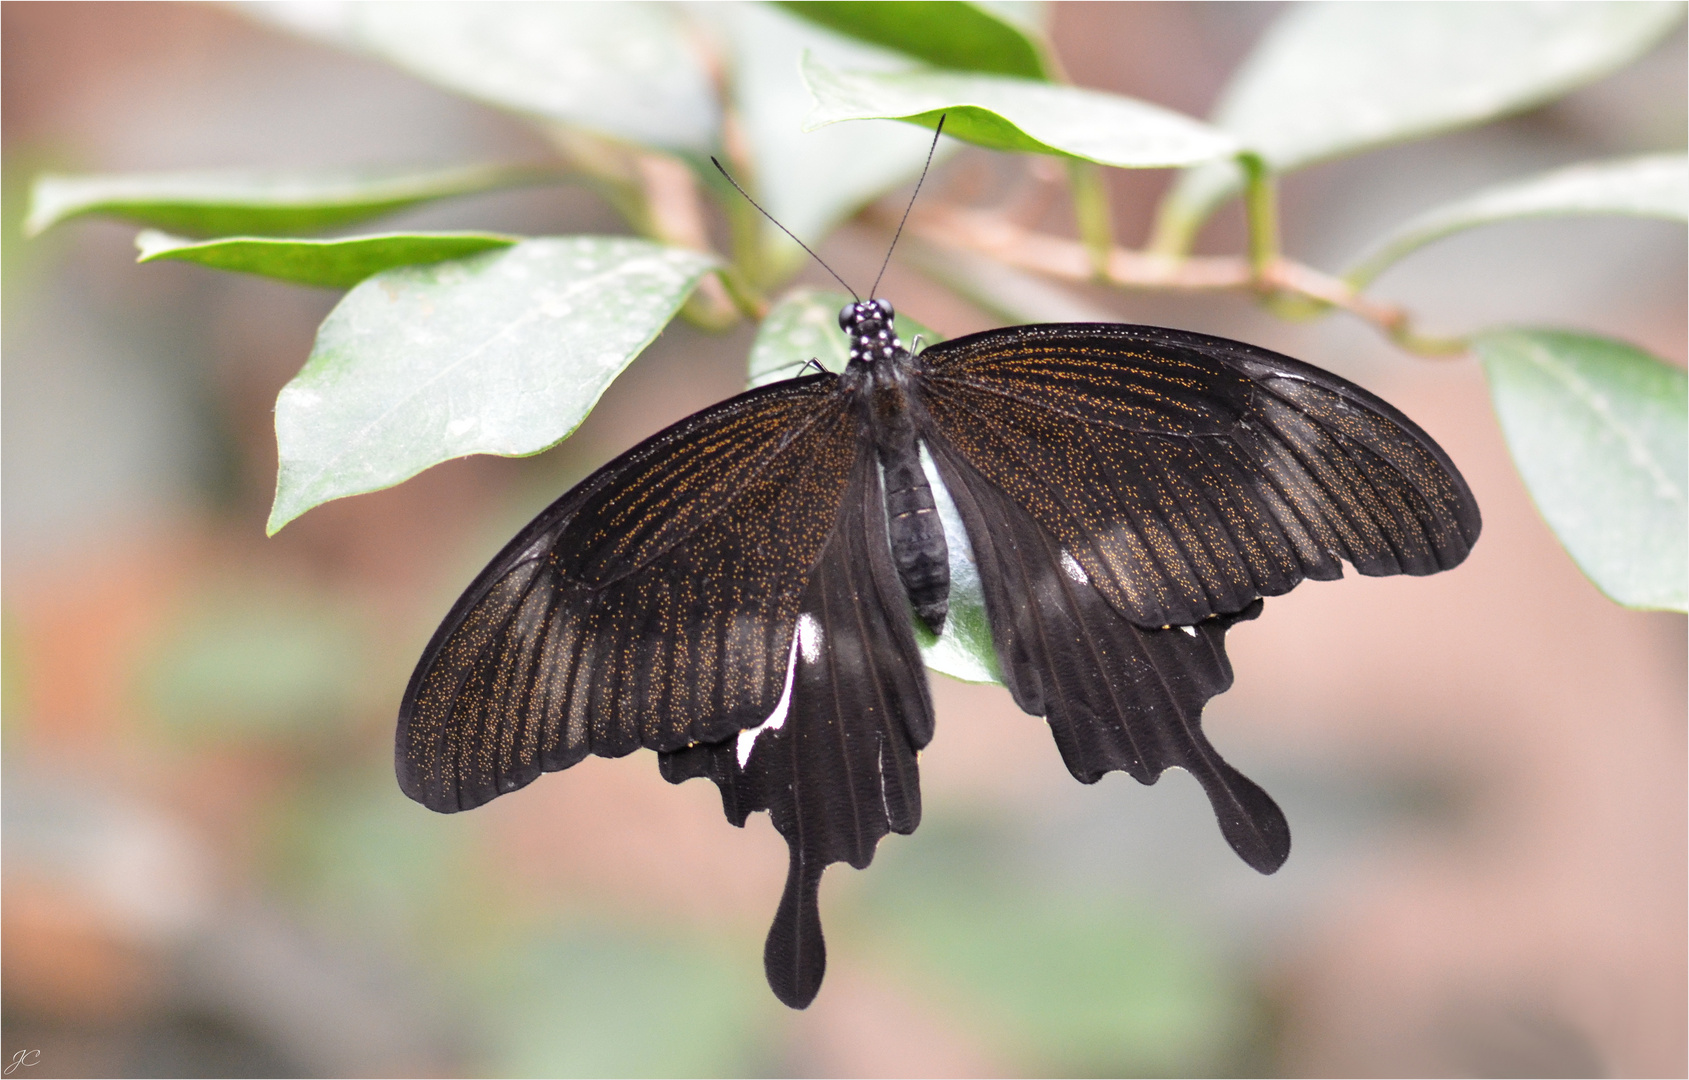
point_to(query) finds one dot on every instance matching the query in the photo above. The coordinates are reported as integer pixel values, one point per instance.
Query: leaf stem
(1260, 207)
(674, 214)
(1175, 227)
(1091, 213)
(747, 298)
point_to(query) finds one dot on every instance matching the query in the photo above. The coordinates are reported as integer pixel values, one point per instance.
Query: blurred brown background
(209, 870)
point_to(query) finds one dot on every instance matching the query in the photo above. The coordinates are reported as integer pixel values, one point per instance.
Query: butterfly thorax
(879, 375)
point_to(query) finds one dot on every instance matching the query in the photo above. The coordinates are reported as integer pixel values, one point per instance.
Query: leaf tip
(282, 512)
(153, 244)
(45, 209)
(808, 69)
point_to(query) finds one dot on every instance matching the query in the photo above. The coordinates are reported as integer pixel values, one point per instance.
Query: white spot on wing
(1070, 566)
(777, 719)
(885, 804)
(809, 636)
(1191, 630)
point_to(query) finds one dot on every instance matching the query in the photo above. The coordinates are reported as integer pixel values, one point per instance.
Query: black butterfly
(735, 593)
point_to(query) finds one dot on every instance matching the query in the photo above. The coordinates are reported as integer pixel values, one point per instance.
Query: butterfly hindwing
(650, 606)
(839, 772)
(1116, 696)
(1190, 475)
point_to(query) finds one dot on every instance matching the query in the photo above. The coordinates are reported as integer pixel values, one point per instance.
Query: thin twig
(1070, 260)
(675, 215)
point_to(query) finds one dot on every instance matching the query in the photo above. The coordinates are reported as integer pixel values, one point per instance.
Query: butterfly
(739, 592)
(736, 592)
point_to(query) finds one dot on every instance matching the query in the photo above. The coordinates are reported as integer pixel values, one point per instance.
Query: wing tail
(794, 958)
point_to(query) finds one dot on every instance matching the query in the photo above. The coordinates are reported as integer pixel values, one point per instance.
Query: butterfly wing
(653, 605)
(1189, 475)
(1116, 696)
(1131, 492)
(839, 772)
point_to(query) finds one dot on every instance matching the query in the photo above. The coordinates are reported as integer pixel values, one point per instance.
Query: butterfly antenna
(936, 133)
(783, 228)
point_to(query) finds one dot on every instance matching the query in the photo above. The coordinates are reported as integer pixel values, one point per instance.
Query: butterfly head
(869, 324)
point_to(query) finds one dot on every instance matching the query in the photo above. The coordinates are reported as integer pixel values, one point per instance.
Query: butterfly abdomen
(912, 523)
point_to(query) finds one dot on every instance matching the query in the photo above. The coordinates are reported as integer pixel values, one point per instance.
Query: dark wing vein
(650, 606)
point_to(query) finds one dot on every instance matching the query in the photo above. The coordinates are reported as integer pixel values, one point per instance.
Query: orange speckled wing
(653, 605)
(837, 771)
(1191, 475)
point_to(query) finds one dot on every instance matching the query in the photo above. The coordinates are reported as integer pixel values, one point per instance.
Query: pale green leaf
(1600, 433)
(1337, 78)
(944, 33)
(805, 326)
(261, 203)
(964, 650)
(500, 353)
(1018, 115)
(328, 264)
(1652, 185)
(628, 70)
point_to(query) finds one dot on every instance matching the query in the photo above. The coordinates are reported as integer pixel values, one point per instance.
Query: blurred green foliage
(1059, 977)
(618, 89)
(240, 663)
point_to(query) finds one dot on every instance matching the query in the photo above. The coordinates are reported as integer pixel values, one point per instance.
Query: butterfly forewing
(653, 605)
(1188, 475)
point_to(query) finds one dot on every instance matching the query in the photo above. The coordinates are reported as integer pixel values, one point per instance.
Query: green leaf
(261, 203)
(627, 70)
(329, 264)
(1652, 185)
(1018, 115)
(804, 326)
(1335, 79)
(500, 353)
(956, 35)
(812, 180)
(1598, 431)
(964, 650)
